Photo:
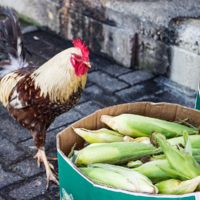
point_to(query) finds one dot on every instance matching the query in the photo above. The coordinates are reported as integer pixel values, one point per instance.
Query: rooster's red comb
(78, 44)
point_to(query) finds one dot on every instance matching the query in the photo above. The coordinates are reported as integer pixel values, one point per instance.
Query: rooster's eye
(77, 57)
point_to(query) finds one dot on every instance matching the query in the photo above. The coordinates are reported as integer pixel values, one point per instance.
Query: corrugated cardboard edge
(165, 111)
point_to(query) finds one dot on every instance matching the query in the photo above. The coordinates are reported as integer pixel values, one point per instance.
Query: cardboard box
(75, 185)
(197, 105)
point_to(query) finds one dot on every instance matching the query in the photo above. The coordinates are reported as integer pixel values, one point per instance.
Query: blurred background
(158, 35)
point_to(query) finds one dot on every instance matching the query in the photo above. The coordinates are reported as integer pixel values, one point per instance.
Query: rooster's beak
(88, 64)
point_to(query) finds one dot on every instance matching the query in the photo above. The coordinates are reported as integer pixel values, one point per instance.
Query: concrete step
(149, 35)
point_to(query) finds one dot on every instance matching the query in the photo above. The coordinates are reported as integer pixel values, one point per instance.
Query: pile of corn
(141, 154)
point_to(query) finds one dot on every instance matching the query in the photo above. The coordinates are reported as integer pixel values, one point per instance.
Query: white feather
(15, 102)
(15, 63)
(19, 47)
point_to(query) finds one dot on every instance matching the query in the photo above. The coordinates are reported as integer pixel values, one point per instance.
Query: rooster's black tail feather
(12, 51)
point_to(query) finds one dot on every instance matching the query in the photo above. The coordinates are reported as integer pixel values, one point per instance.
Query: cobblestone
(88, 108)
(116, 70)
(55, 195)
(176, 97)
(12, 129)
(2, 198)
(8, 176)
(31, 189)
(9, 152)
(46, 50)
(108, 84)
(66, 118)
(28, 168)
(2, 109)
(44, 198)
(130, 94)
(97, 94)
(136, 77)
(36, 59)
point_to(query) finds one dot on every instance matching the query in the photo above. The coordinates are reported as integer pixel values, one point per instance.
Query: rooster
(35, 96)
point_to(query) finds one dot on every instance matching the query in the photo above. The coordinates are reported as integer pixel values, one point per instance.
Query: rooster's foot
(41, 156)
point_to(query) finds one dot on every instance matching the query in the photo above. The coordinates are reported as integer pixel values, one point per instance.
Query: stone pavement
(108, 84)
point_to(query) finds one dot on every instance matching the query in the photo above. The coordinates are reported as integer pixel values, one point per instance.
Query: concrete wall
(44, 12)
(160, 36)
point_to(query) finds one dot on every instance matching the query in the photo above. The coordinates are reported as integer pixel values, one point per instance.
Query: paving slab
(97, 94)
(2, 109)
(176, 97)
(12, 129)
(66, 118)
(83, 98)
(54, 195)
(132, 93)
(11, 153)
(135, 77)
(2, 198)
(8, 176)
(35, 59)
(43, 198)
(88, 108)
(46, 50)
(28, 168)
(29, 189)
(107, 82)
(115, 70)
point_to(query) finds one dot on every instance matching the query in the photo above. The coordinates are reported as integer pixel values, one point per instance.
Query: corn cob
(151, 169)
(99, 136)
(140, 126)
(158, 157)
(122, 152)
(174, 186)
(153, 172)
(144, 140)
(114, 153)
(133, 164)
(120, 177)
(182, 165)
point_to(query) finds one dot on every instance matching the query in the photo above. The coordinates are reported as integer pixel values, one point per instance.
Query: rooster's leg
(41, 156)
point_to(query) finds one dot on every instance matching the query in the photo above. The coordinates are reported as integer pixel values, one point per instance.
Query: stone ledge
(43, 12)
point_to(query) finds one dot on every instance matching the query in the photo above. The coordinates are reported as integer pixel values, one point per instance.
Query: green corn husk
(151, 169)
(111, 179)
(133, 164)
(140, 126)
(182, 165)
(197, 157)
(139, 182)
(174, 186)
(144, 140)
(153, 172)
(122, 152)
(114, 153)
(99, 136)
(194, 139)
(158, 157)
